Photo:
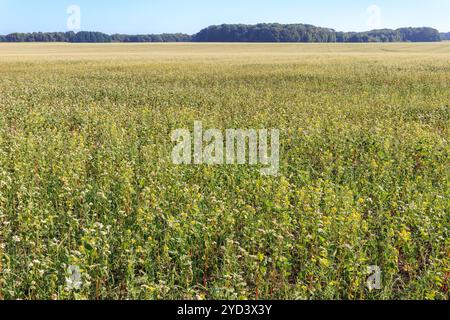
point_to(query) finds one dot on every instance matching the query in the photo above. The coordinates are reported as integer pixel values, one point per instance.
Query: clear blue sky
(189, 16)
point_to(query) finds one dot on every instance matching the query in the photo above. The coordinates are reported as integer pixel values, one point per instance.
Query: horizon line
(220, 24)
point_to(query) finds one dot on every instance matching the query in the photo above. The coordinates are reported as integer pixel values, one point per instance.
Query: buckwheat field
(87, 179)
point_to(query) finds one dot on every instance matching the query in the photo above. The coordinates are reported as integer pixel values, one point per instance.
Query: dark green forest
(263, 32)
(307, 33)
(92, 37)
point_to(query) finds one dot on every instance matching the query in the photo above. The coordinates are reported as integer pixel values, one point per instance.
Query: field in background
(202, 52)
(86, 177)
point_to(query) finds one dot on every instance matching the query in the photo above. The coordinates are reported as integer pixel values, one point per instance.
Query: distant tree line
(275, 32)
(265, 32)
(92, 37)
(165, 37)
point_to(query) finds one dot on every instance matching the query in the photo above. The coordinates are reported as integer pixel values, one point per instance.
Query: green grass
(86, 176)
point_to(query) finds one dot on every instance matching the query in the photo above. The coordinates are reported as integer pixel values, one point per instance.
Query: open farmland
(87, 179)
